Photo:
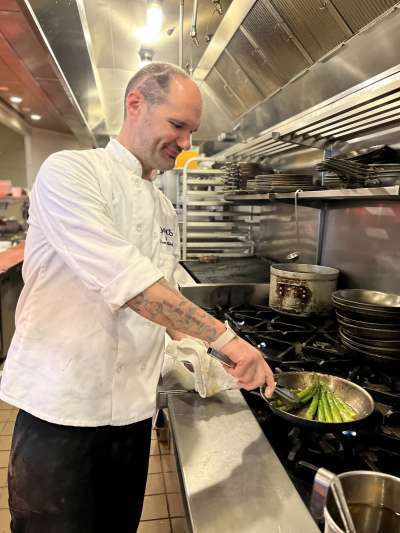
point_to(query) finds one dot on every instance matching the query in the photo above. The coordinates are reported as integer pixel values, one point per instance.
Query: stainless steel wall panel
(225, 95)
(363, 241)
(280, 53)
(237, 80)
(359, 13)
(253, 64)
(277, 234)
(313, 23)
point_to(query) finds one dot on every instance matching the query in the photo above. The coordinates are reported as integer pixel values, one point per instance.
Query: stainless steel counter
(232, 479)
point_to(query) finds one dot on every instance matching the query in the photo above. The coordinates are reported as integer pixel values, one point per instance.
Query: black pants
(66, 479)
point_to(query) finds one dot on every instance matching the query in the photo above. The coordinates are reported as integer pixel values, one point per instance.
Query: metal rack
(211, 226)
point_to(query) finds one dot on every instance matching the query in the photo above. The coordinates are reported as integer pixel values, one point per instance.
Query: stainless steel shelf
(204, 172)
(215, 235)
(325, 195)
(215, 245)
(225, 253)
(220, 224)
(206, 182)
(203, 194)
(363, 193)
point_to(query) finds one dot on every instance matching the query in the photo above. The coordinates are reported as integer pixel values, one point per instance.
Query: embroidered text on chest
(166, 236)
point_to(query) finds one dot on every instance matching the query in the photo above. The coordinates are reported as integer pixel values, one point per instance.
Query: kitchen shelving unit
(212, 226)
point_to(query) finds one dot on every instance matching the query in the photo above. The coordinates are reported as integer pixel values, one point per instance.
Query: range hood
(258, 64)
(289, 56)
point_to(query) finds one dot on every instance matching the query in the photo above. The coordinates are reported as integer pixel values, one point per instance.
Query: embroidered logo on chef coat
(166, 236)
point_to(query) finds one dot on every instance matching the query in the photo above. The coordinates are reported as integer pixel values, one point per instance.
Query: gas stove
(302, 344)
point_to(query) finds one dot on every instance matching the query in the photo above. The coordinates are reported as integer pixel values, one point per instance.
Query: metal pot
(373, 499)
(302, 289)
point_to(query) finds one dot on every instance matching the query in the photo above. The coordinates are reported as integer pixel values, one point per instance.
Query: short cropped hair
(153, 82)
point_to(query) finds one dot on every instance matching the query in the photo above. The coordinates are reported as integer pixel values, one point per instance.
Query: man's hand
(251, 371)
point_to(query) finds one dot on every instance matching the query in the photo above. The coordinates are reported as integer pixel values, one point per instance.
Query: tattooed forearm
(163, 304)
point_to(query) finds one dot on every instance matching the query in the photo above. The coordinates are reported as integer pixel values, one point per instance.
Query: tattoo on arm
(163, 304)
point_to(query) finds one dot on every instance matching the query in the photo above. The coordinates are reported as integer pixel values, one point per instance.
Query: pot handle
(322, 482)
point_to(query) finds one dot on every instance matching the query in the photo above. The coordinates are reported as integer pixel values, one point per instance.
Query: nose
(185, 141)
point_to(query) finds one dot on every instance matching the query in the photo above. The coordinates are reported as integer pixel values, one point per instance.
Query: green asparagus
(324, 405)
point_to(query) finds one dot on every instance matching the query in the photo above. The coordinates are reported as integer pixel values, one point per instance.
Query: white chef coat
(98, 235)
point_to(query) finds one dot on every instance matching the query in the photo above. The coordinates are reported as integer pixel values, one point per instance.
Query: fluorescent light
(146, 36)
(154, 17)
(15, 99)
(34, 116)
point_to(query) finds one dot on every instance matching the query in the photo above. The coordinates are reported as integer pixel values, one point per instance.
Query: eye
(176, 125)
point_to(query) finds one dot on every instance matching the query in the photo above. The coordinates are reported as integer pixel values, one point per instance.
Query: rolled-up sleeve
(75, 218)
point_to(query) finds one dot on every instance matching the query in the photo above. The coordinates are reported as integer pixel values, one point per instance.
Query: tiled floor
(7, 419)
(163, 509)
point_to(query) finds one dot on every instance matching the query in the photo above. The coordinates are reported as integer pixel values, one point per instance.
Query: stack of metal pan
(281, 183)
(369, 324)
(383, 175)
(237, 174)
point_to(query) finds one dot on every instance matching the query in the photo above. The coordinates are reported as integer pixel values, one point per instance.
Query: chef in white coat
(84, 363)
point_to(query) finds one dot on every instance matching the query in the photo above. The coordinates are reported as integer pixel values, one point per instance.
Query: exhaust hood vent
(254, 64)
(316, 24)
(235, 78)
(226, 96)
(273, 42)
(359, 13)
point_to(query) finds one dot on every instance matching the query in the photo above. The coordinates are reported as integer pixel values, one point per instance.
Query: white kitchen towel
(209, 374)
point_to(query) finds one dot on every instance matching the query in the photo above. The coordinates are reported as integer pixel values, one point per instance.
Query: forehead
(183, 102)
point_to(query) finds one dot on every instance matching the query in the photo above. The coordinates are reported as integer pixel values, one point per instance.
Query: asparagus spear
(321, 409)
(345, 409)
(336, 413)
(327, 409)
(312, 410)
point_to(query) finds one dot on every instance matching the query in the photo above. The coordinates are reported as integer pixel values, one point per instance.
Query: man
(86, 356)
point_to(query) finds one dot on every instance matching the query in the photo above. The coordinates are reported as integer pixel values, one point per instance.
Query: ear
(134, 103)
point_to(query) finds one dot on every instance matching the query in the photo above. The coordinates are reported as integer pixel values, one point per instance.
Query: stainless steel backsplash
(362, 240)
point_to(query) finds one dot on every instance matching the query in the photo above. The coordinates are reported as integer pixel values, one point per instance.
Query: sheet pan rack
(212, 226)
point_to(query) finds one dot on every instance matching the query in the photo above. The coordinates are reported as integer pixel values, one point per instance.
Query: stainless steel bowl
(381, 301)
(374, 502)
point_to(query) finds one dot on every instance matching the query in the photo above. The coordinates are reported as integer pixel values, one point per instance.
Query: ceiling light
(154, 17)
(34, 116)
(15, 99)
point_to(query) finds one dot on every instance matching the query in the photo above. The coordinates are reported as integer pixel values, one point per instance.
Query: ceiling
(96, 45)
(70, 60)
(28, 71)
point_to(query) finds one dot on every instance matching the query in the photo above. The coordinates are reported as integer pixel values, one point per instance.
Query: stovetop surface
(291, 343)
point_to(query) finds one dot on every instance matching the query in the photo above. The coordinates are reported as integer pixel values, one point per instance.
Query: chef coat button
(138, 227)
(119, 369)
